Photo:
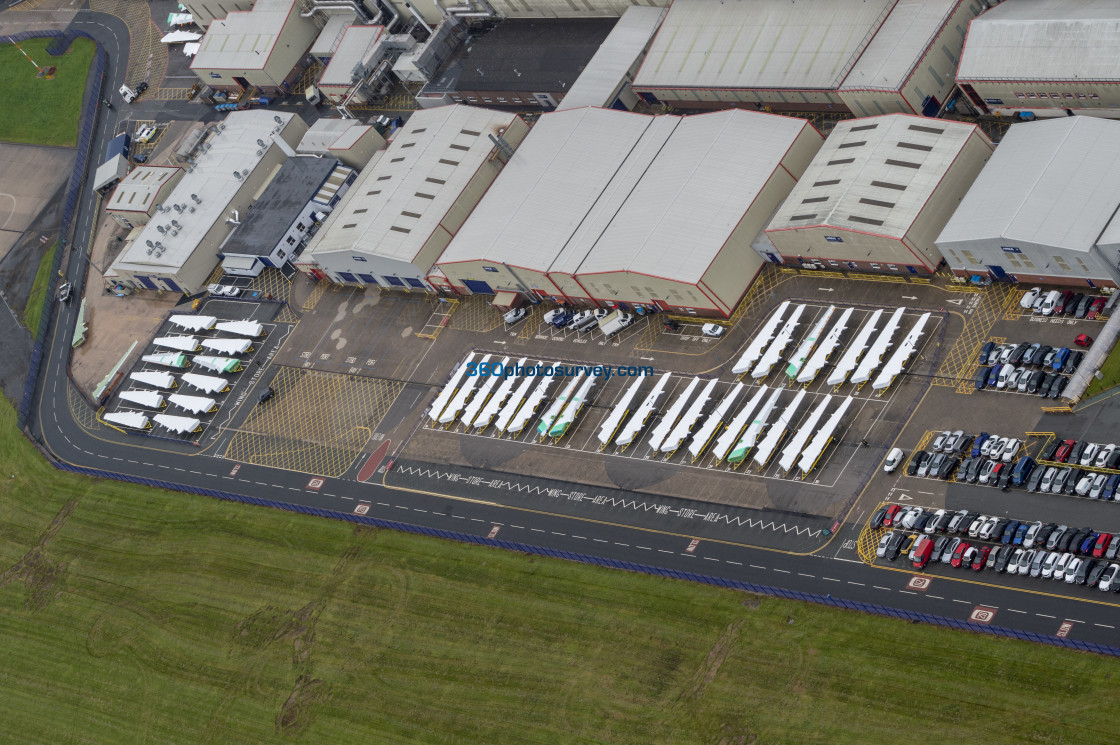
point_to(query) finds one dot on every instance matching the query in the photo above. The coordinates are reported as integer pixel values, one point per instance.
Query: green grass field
(131, 615)
(37, 111)
(40, 287)
(1110, 374)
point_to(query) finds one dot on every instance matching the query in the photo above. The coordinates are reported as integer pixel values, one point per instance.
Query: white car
(1083, 486)
(1109, 579)
(881, 551)
(1025, 561)
(1047, 482)
(986, 471)
(1050, 303)
(553, 314)
(1089, 453)
(1014, 561)
(145, 134)
(64, 292)
(910, 518)
(1010, 450)
(894, 457)
(1071, 569)
(974, 528)
(513, 316)
(1097, 489)
(985, 532)
(1030, 298)
(933, 522)
(1103, 456)
(989, 445)
(999, 448)
(1049, 564)
(127, 94)
(713, 330)
(1060, 567)
(1032, 533)
(1004, 375)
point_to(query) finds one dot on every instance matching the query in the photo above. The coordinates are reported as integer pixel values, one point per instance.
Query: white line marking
(881, 588)
(736, 563)
(1017, 611)
(783, 571)
(966, 602)
(907, 592)
(756, 566)
(1043, 615)
(935, 597)
(856, 583)
(1104, 625)
(830, 579)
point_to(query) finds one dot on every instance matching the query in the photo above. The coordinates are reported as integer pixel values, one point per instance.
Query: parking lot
(240, 382)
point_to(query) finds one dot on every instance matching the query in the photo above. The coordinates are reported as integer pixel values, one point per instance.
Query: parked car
(1051, 561)
(993, 375)
(917, 460)
(950, 550)
(940, 440)
(1073, 303)
(979, 443)
(1096, 307)
(884, 542)
(954, 524)
(1110, 484)
(892, 512)
(1004, 556)
(1108, 579)
(1073, 570)
(1011, 449)
(981, 379)
(713, 330)
(1017, 355)
(1034, 483)
(1035, 381)
(1083, 340)
(1032, 350)
(1055, 536)
(1060, 358)
(1058, 386)
(1021, 534)
(981, 558)
(1028, 299)
(1094, 574)
(1059, 570)
(1050, 303)
(1096, 489)
(933, 465)
(939, 545)
(584, 319)
(513, 316)
(986, 471)
(1101, 545)
(1083, 306)
(1061, 455)
(1036, 563)
(936, 520)
(1026, 561)
(1074, 361)
(1063, 301)
(878, 518)
(948, 466)
(1032, 533)
(959, 554)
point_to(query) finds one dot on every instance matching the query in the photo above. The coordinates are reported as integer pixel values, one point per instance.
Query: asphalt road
(540, 518)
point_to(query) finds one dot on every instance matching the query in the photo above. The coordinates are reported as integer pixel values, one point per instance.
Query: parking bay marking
(1064, 629)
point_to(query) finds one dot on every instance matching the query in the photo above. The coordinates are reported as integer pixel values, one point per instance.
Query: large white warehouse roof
(596, 190)
(899, 44)
(398, 202)
(874, 175)
(1044, 40)
(1054, 183)
(808, 44)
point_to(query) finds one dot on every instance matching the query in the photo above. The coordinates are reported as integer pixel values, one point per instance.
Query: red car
(1083, 340)
(1102, 545)
(1062, 453)
(1060, 306)
(981, 558)
(891, 512)
(923, 552)
(1096, 307)
(959, 553)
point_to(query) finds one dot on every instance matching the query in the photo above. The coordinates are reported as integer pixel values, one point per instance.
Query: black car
(1005, 553)
(962, 526)
(877, 518)
(939, 545)
(1083, 306)
(1035, 478)
(986, 352)
(974, 469)
(964, 444)
(1044, 386)
(1073, 361)
(1004, 476)
(1043, 534)
(1095, 573)
(947, 468)
(1040, 355)
(1071, 541)
(917, 461)
(1076, 451)
(894, 545)
(962, 470)
(1032, 350)
(981, 380)
(1035, 381)
(1017, 355)
(1071, 483)
(1083, 571)
(1047, 453)
(265, 395)
(1114, 460)
(1059, 386)
(1072, 303)
(922, 521)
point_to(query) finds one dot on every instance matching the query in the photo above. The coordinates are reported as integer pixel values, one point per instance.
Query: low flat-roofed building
(330, 36)
(285, 216)
(264, 48)
(412, 199)
(602, 207)
(519, 63)
(348, 140)
(866, 56)
(606, 79)
(134, 200)
(878, 194)
(204, 12)
(1046, 57)
(178, 248)
(1042, 208)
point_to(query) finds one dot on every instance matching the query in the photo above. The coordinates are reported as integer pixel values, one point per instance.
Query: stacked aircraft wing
(482, 421)
(731, 435)
(805, 348)
(812, 454)
(459, 400)
(665, 426)
(514, 403)
(775, 434)
(760, 340)
(618, 412)
(901, 356)
(755, 428)
(773, 353)
(483, 396)
(852, 354)
(824, 351)
(449, 390)
(635, 424)
(528, 409)
(879, 347)
(571, 411)
(708, 429)
(688, 421)
(807, 429)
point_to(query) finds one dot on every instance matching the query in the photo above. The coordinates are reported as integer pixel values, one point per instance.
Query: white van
(1050, 303)
(615, 322)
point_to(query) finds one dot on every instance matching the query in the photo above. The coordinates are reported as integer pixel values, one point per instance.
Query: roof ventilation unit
(237, 175)
(195, 199)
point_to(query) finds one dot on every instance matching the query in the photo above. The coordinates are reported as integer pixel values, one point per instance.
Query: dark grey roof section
(294, 185)
(531, 55)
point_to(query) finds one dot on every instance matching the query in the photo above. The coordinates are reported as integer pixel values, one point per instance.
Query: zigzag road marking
(632, 504)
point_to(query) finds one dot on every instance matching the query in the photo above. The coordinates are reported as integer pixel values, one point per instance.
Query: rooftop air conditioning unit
(237, 175)
(161, 229)
(175, 223)
(174, 232)
(195, 199)
(150, 251)
(190, 209)
(149, 244)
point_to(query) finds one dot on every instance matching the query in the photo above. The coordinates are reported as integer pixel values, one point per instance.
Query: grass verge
(33, 309)
(133, 615)
(38, 111)
(1110, 374)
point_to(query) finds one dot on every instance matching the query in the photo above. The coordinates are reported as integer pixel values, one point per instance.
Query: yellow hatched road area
(147, 56)
(442, 310)
(957, 366)
(316, 422)
(869, 538)
(476, 314)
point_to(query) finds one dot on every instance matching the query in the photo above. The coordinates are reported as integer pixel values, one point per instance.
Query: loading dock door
(478, 287)
(147, 282)
(997, 272)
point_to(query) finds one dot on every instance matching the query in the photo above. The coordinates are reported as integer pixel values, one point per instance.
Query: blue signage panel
(1012, 249)
(834, 239)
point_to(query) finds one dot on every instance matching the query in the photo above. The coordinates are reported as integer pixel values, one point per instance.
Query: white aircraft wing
(852, 354)
(755, 428)
(731, 435)
(553, 411)
(688, 421)
(797, 443)
(824, 351)
(820, 441)
(805, 348)
(665, 426)
(459, 400)
(901, 355)
(760, 340)
(635, 423)
(775, 434)
(571, 411)
(878, 348)
(130, 419)
(449, 389)
(495, 403)
(781, 341)
(708, 429)
(483, 396)
(150, 399)
(532, 403)
(618, 412)
(514, 403)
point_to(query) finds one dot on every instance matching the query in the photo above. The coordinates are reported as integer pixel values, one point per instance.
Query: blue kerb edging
(879, 610)
(87, 124)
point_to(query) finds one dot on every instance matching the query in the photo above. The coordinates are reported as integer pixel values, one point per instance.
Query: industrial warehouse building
(263, 48)
(868, 57)
(134, 200)
(606, 79)
(348, 140)
(1047, 57)
(878, 194)
(433, 12)
(285, 216)
(408, 204)
(178, 248)
(1043, 209)
(611, 208)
